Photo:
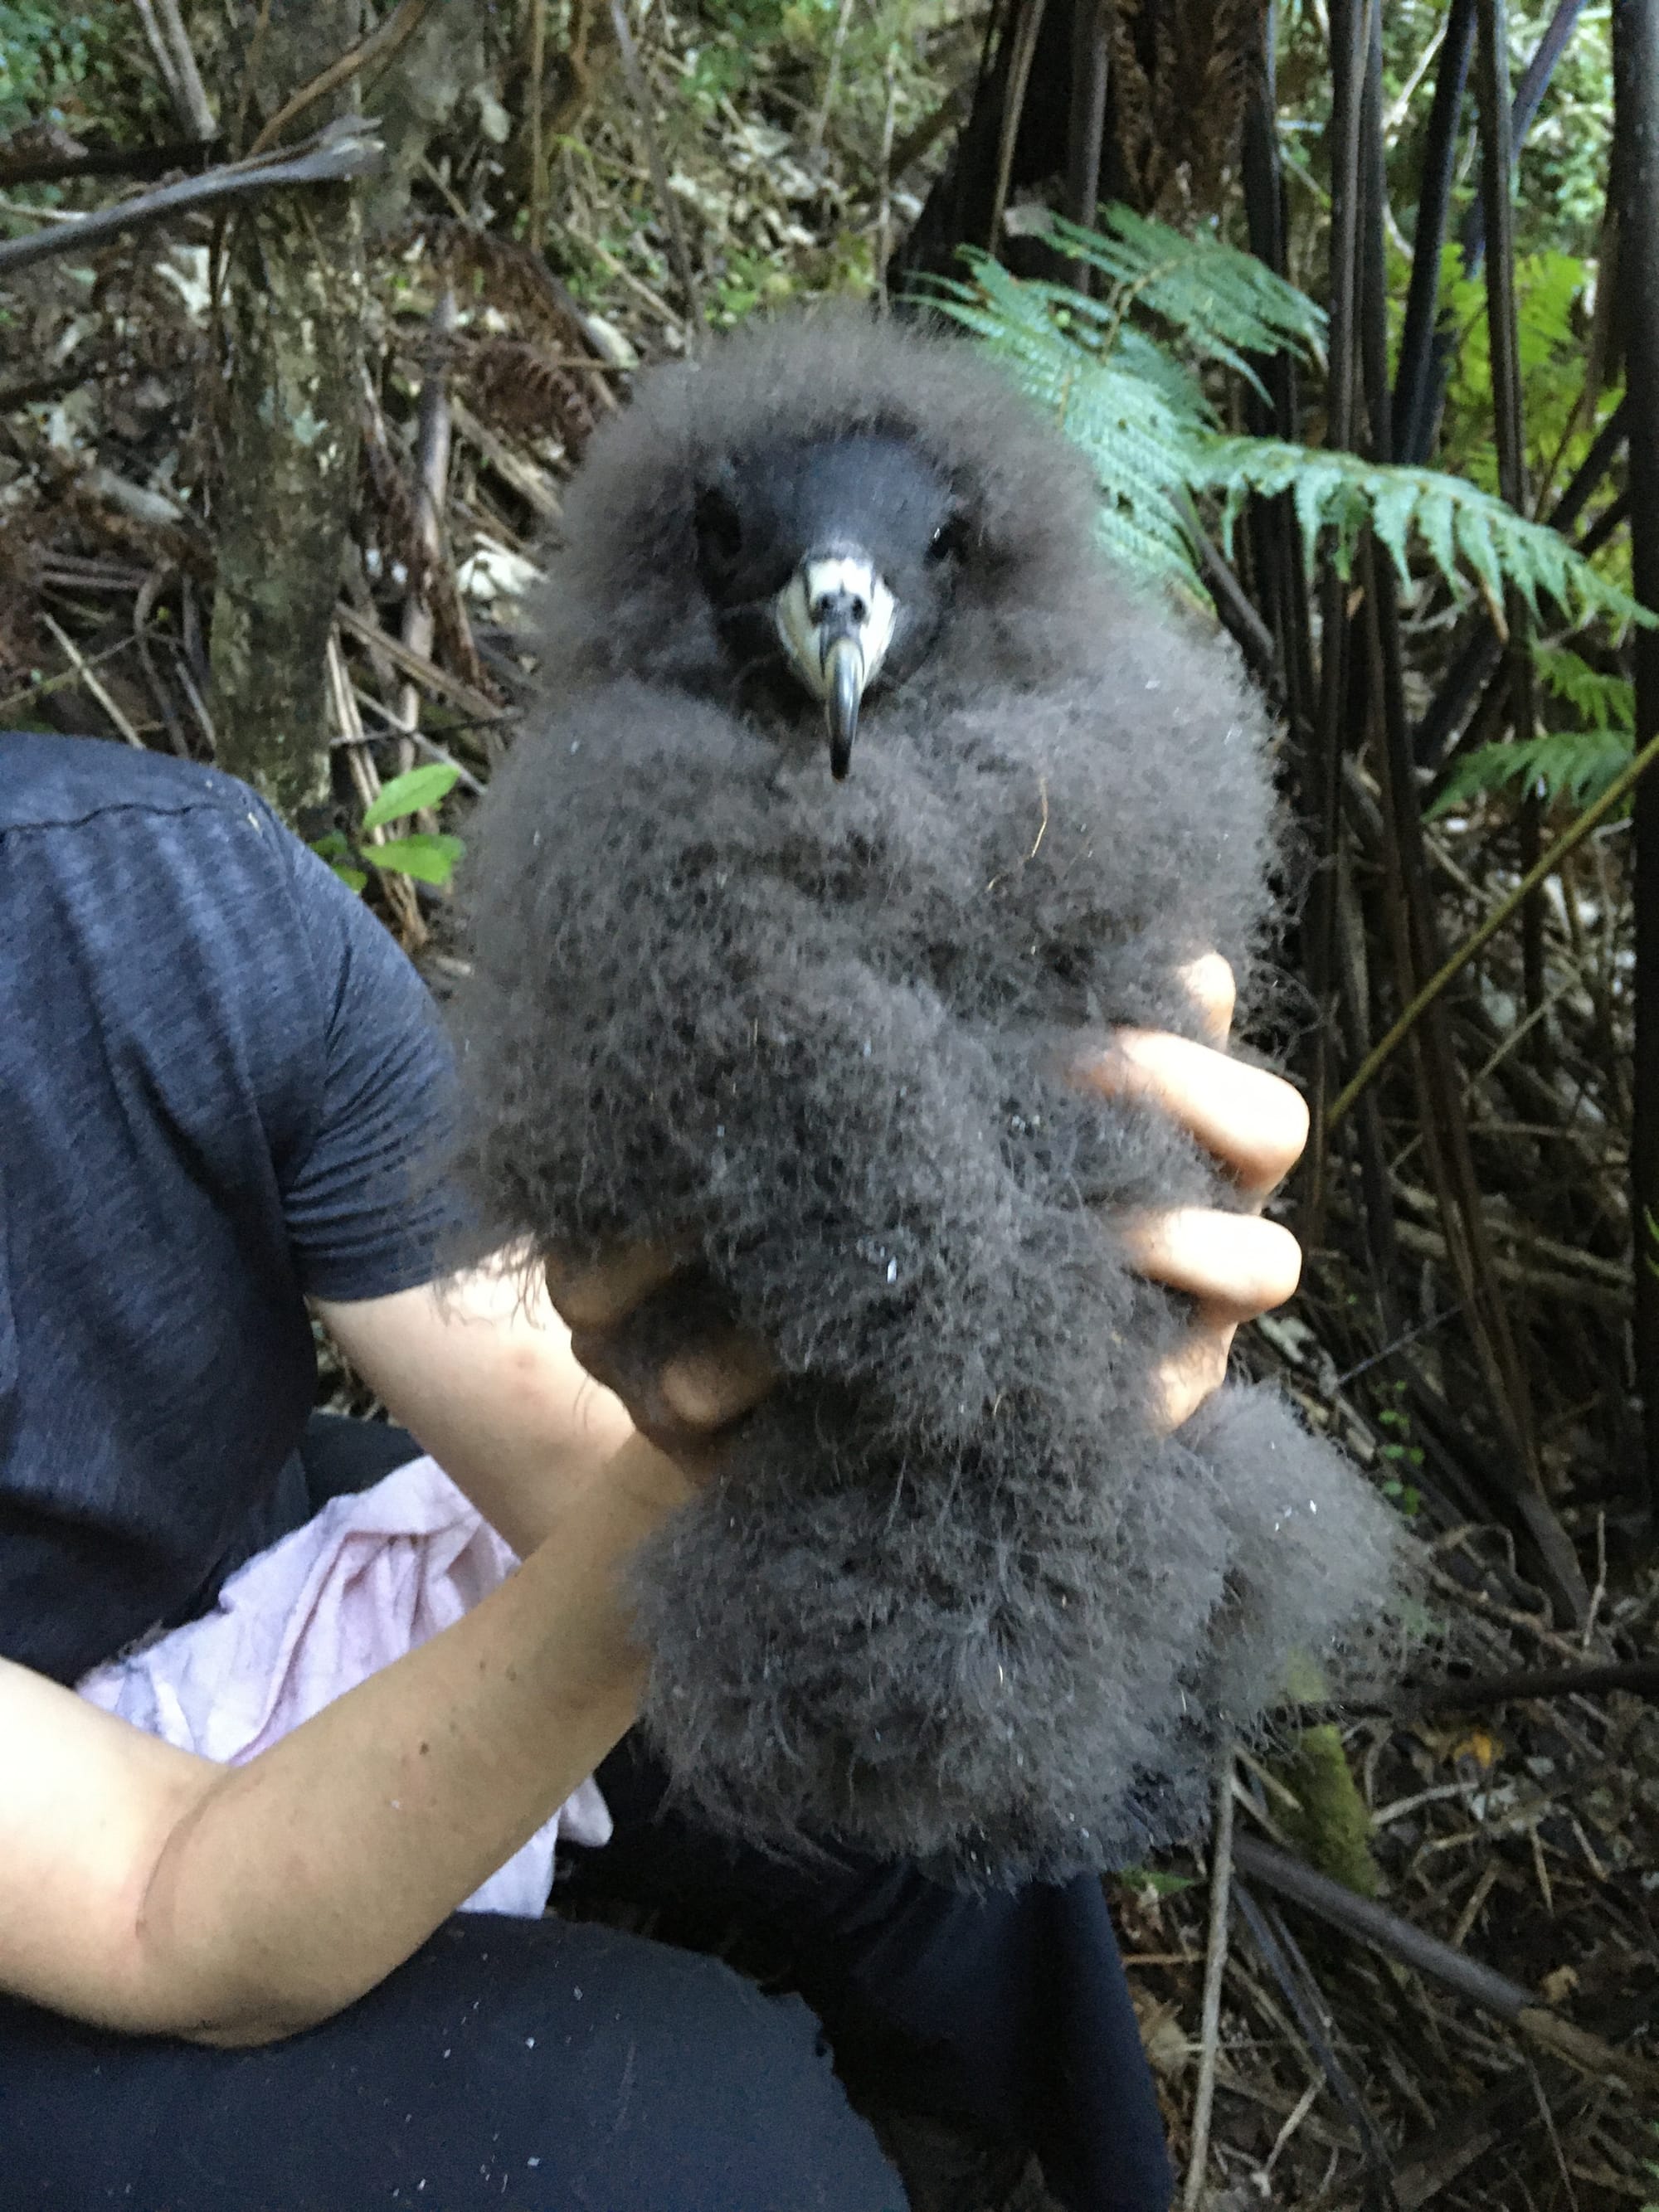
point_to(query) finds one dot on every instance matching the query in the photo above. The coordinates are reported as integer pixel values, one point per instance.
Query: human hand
(1234, 1266)
(641, 1324)
(684, 1377)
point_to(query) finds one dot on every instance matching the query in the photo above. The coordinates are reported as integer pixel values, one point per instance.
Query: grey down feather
(952, 1594)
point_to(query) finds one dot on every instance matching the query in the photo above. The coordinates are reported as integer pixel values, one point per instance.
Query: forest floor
(1521, 1833)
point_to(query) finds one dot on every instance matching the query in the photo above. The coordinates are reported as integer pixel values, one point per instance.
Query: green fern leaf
(1437, 519)
(1395, 502)
(1463, 530)
(1479, 547)
(1604, 702)
(1225, 303)
(1574, 764)
(1120, 392)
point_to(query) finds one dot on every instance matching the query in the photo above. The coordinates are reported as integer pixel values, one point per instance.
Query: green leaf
(1575, 764)
(1161, 1885)
(1604, 702)
(1110, 373)
(1395, 502)
(429, 860)
(1454, 522)
(410, 793)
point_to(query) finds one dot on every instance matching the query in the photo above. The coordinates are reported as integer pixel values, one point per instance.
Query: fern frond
(1226, 304)
(1575, 764)
(1139, 429)
(1140, 414)
(1464, 532)
(1605, 702)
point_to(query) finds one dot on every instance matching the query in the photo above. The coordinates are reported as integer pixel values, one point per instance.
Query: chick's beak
(835, 620)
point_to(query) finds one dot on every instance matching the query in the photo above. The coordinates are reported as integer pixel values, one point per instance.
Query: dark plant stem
(1428, 382)
(1409, 903)
(1092, 38)
(1322, 768)
(1528, 97)
(1415, 408)
(1636, 132)
(1497, 170)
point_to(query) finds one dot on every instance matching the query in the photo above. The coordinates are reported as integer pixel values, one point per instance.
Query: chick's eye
(719, 526)
(950, 540)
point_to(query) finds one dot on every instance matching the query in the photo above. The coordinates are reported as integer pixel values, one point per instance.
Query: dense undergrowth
(798, 144)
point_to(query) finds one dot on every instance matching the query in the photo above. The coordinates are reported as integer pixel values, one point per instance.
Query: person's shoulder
(49, 782)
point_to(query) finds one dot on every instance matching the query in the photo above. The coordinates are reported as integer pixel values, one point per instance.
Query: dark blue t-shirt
(221, 1084)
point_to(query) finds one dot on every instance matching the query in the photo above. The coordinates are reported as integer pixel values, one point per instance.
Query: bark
(293, 312)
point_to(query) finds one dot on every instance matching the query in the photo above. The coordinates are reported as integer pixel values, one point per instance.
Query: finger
(684, 1409)
(717, 1383)
(1253, 1122)
(1194, 1371)
(1237, 1266)
(1208, 982)
(681, 1405)
(597, 1294)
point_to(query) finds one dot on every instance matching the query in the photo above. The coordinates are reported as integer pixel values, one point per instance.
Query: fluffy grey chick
(953, 1596)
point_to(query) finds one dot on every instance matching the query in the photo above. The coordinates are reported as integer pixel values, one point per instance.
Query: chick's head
(822, 514)
(831, 560)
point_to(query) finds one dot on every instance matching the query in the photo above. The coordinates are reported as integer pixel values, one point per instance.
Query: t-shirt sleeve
(369, 1205)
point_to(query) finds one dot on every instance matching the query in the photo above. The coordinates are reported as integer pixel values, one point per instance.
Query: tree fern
(1120, 375)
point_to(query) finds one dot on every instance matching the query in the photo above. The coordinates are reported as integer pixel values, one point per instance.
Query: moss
(1334, 1826)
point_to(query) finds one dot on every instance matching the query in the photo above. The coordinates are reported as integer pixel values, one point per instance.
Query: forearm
(480, 1368)
(300, 1881)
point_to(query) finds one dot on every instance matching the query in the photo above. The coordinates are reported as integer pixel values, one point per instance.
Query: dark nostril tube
(848, 605)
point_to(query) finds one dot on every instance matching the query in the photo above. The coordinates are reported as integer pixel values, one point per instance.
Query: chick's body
(953, 1596)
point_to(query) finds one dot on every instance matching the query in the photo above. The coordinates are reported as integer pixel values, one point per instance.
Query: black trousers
(558, 2064)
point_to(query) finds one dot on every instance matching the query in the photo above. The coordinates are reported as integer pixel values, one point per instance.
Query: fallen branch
(1312, 2016)
(91, 683)
(345, 150)
(152, 161)
(1640, 1677)
(524, 477)
(425, 672)
(175, 62)
(1215, 1972)
(1465, 1978)
(381, 43)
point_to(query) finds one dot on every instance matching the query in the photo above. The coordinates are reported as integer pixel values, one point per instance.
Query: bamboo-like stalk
(1503, 326)
(1023, 50)
(1091, 39)
(1528, 98)
(1421, 387)
(1415, 396)
(1636, 129)
(1627, 780)
(537, 201)
(1443, 1118)
(1350, 38)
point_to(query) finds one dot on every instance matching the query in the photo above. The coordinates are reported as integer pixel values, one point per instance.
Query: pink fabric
(370, 1577)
